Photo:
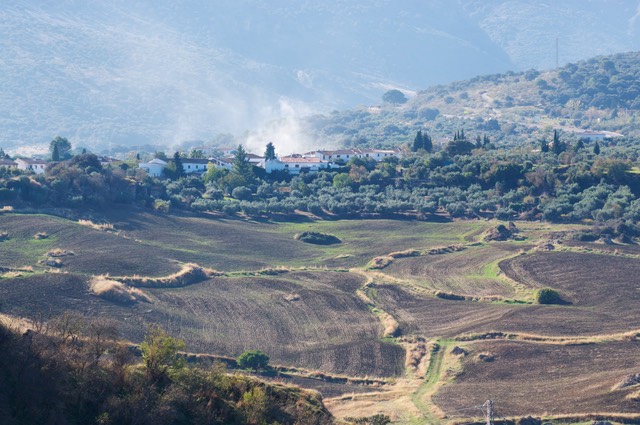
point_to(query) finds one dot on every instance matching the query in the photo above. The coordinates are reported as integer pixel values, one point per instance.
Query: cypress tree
(418, 142)
(596, 148)
(55, 155)
(557, 144)
(270, 152)
(427, 144)
(177, 161)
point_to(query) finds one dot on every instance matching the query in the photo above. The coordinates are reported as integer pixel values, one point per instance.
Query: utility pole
(487, 409)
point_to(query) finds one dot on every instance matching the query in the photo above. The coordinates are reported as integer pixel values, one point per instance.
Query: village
(204, 157)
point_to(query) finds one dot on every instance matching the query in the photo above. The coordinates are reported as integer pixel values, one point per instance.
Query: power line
(488, 412)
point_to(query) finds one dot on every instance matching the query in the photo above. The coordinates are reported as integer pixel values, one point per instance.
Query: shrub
(548, 296)
(317, 238)
(253, 359)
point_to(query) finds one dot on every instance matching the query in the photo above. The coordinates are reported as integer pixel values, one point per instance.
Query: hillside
(418, 321)
(104, 74)
(601, 93)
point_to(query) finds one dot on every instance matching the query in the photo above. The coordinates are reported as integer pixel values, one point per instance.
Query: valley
(446, 321)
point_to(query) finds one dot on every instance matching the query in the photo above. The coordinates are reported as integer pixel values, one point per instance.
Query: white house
(37, 166)
(344, 155)
(222, 162)
(7, 163)
(154, 167)
(592, 135)
(255, 159)
(295, 164)
(194, 165)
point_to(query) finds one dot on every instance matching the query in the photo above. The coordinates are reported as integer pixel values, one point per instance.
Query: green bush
(548, 296)
(253, 359)
(317, 238)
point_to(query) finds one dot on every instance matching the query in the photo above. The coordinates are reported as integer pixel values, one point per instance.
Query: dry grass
(191, 273)
(57, 252)
(116, 291)
(41, 235)
(106, 227)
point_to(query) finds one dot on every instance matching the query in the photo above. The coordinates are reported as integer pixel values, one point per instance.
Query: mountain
(601, 93)
(107, 73)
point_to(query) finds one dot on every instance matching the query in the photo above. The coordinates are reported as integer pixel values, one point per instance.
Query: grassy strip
(422, 398)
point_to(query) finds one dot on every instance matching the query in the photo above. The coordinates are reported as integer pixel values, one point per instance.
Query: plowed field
(543, 379)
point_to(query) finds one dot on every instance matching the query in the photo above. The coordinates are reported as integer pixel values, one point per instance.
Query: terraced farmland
(327, 309)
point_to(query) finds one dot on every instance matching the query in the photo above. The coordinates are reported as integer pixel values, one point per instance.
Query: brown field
(328, 328)
(321, 308)
(543, 379)
(461, 273)
(433, 317)
(600, 282)
(96, 252)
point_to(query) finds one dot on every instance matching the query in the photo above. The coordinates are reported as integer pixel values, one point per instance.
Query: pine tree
(270, 152)
(485, 140)
(418, 142)
(579, 145)
(241, 165)
(596, 148)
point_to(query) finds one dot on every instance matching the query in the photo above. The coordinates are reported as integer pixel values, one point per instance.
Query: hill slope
(114, 73)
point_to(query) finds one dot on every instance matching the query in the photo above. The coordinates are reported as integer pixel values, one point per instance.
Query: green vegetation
(548, 296)
(78, 372)
(253, 359)
(317, 238)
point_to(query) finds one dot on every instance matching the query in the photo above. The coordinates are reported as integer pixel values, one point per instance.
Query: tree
(62, 146)
(241, 165)
(395, 97)
(160, 352)
(544, 146)
(177, 162)
(418, 142)
(253, 359)
(427, 144)
(596, 148)
(55, 155)
(558, 147)
(270, 152)
(548, 296)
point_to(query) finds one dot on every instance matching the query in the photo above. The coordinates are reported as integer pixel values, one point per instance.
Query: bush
(253, 359)
(548, 296)
(317, 238)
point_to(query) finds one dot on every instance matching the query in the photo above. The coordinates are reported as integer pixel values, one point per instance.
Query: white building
(154, 168)
(7, 163)
(194, 165)
(344, 155)
(591, 135)
(296, 164)
(37, 166)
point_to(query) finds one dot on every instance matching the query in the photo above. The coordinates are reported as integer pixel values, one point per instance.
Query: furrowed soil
(328, 328)
(543, 379)
(323, 309)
